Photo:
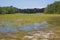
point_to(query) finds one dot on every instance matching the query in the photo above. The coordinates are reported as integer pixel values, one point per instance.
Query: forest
(12, 10)
(53, 8)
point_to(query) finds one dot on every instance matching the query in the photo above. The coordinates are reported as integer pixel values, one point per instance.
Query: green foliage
(13, 10)
(31, 11)
(8, 10)
(53, 8)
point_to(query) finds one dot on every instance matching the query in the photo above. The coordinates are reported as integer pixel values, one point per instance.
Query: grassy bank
(27, 17)
(30, 18)
(53, 19)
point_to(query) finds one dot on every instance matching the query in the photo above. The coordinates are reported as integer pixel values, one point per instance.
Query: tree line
(35, 10)
(50, 9)
(13, 10)
(8, 10)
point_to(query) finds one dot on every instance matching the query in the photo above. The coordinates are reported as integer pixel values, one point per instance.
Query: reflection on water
(36, 26)
(8, 26)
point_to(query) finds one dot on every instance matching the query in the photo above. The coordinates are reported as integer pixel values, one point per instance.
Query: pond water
(8, 26)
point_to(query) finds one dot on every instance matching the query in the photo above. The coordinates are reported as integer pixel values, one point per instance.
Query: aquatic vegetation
(15, 27)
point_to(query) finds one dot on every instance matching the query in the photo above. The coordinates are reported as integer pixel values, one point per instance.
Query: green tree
(53, 8)
(0, 10)
(8, 10)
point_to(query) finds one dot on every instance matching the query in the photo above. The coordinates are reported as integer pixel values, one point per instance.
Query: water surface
(8, 26)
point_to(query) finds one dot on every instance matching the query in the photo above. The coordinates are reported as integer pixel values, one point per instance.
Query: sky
(26, 3)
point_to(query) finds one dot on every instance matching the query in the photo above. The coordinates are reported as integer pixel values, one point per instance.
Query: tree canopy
(8, 10)
(53, 8)
(13, 10)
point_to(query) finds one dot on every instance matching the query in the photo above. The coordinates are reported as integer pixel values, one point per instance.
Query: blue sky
(26, 3)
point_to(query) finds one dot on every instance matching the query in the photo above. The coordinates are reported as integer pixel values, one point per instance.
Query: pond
(8, 26)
